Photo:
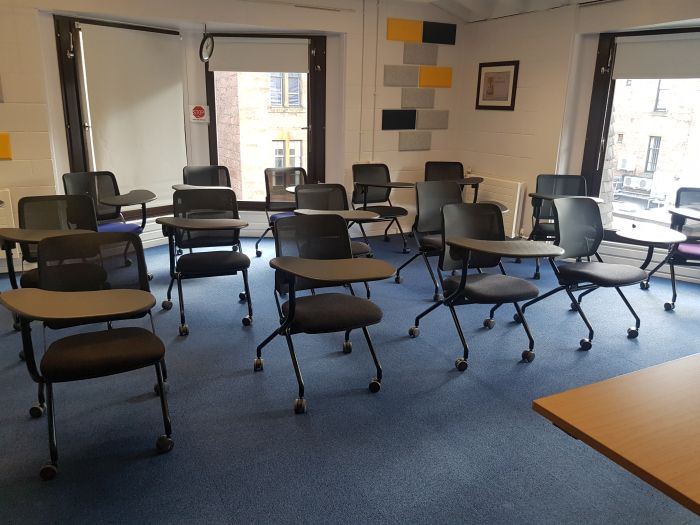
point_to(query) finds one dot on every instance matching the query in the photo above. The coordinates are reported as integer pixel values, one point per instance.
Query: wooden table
(348, 215)
(335, 270)
(647, 422)
(133, 198)
(507, 248)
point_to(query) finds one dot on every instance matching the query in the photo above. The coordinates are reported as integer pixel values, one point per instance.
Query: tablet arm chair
(205, 203)
(376, 199)
(482, 221)
(543, 216)
(322, 246)
(206, 176)
(431, 196)
(279, 202)
(579, 232)
(74, 264)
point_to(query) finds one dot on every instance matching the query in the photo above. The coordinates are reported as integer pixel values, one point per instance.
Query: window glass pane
(276, 89)
(662, 96)
(295, 153)
(294, 90)
(278, 146)
(653, 154)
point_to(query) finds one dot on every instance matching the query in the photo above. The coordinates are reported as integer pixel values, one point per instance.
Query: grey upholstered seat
(212, 263)
(600, 273)
(332, 312)
(486, 288)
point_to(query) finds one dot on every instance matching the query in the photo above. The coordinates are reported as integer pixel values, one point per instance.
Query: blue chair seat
(121, 227)
(282, 215)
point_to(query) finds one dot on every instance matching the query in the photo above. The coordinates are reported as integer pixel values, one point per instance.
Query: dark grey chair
(543, 216)
(206, 176)
(443, 170)
(205, 203)
(579, 231)
(427, 226)
(484, 222)
(279, 202)
(318, 237)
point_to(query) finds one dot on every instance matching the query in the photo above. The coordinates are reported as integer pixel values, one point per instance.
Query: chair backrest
(685, 198)
(438, 170)
(206, 176)
(563, 185)
(482, 221)
(96, 184)
(92, 261)
(311, 237)
(430, 198)
(370, 173)
(54, 212)
(277, 180)
(578, 226)
(321, 197)
(205, 203)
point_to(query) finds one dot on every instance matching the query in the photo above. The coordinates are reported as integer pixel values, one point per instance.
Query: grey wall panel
(418, 98)
(420, 54)
(401, 76)
(432, 119)
(414, 140)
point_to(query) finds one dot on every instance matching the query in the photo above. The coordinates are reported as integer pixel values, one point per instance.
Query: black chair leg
(164, 442)
(247, 321)
(258, 253)
(631, 332)
(670, 306)
(536, 275)
(414, 331)
(397, 278)
(585, 344)
(300, 402)
(184, 329)
(403, 237)
(541, 297)
(437, 296)
(367, 290)
(529, 354)
(375, 383)
(170, 290)
(386, 230)
(364, 234)
(461, 363)
(347, 344)
(50, 470)
(585, 293)
(38, 409)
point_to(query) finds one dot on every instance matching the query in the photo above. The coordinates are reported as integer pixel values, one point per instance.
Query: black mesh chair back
(92, 261)
(96, 184)
(311, 237)
(476, 221)
(321, 197)
(206, 203)
(579, 227)
(277, 180)
(206, 176)
(686, 198)
(54, 212)
(370, 173)
(430, 198)
(436, 170)
(564, 185)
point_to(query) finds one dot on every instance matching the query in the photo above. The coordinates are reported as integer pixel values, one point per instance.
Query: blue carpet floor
(434, 446)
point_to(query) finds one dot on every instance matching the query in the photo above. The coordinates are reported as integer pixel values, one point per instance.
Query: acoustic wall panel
(435, 76)
(417, 97)
(420, 54)
(414, 140)
(404, 30)
(398, 119)
(5, 147)
(438, 33)
(401, 76)
(432, 119)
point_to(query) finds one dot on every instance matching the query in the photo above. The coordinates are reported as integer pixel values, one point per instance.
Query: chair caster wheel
(242, 297)
(517, 318)
(398, 279)
(489, 323)
(166, 305)
(406, 250)
(437, 297)
(184, 330)
(347, 347)
(370, 256)
(247, 320)
(164, 444)
(21, 355)
(669, 306)
(149, 276)
(632, 333)
(16, 326)
(258, 253)
(48, 472)
(644, 285)
(461, 364)
(528, 356)
(536, 275)
(37, 410)
(300, 406)
(585, 344)
(413, 332)
(386, 238)
(375, 385)
(178, 252)
(166, 388)
(573, 307)
(258, 364)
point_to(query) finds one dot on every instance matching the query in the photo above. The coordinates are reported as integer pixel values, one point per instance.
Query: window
(620, 136)
(285, 90)
(662, 92)
(652, 154)
(288, 154)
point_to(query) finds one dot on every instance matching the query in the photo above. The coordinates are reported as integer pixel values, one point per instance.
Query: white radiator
(507, 192)
(7, 220)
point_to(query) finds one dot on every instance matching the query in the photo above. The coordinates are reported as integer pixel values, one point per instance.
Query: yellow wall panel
(404, 30)
(435, 76)
(5, 147)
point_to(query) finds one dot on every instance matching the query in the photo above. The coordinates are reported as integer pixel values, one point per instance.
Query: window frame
(653, 149)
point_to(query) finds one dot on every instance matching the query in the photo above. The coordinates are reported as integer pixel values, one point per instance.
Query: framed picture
(498, 82)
